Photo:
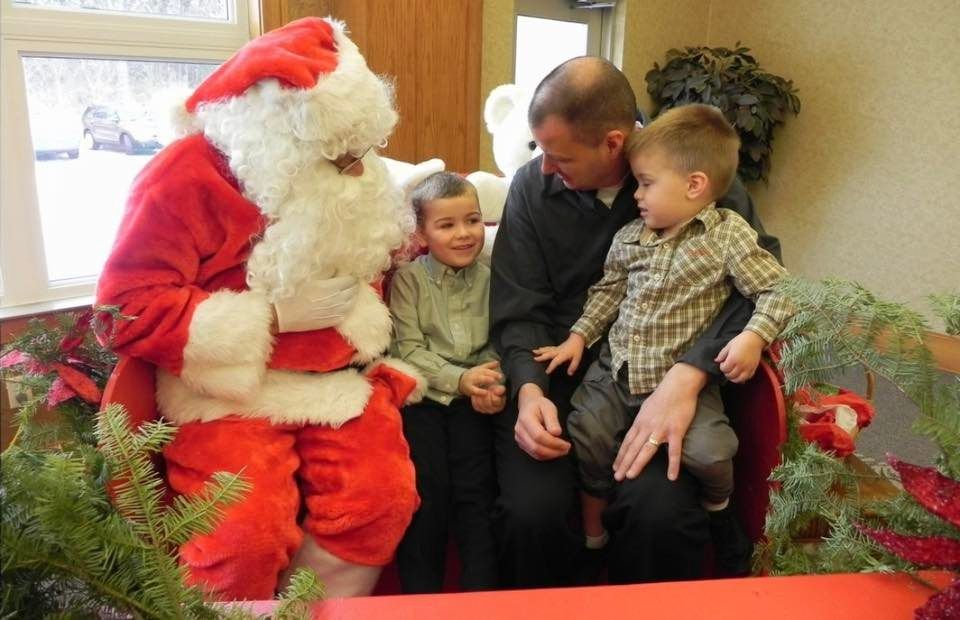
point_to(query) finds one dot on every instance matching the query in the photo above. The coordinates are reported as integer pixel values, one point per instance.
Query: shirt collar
(437, 270)
(555, 185)
(708, 215)
(636, 232)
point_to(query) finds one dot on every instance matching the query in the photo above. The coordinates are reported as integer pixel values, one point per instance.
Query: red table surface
(844, 597)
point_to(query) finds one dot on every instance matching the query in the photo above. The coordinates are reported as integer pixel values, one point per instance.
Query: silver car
(128, 130)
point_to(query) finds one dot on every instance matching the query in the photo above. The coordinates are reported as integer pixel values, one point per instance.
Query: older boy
(666, 277)
(440, 305)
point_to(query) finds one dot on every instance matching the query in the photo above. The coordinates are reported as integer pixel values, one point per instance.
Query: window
(87, 86)
(548, 32)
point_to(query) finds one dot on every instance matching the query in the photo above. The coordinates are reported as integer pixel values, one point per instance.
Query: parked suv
(129, 130)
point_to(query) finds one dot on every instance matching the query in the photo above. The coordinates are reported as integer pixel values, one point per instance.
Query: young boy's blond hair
(693, 137)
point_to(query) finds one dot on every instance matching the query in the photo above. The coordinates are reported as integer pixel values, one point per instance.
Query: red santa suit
(310, 417)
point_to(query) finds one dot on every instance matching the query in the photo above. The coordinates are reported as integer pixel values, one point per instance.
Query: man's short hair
(437, 186)
(694, 137)
(588, 93)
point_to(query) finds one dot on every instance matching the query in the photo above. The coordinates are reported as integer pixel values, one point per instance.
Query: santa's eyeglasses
(348, 161)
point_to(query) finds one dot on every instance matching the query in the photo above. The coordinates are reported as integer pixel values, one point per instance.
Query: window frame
(606, 26)
(50, 31)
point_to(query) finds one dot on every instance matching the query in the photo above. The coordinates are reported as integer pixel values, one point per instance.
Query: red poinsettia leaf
(932, 490)
(19, 358)
(81, 383)
(37, 368)
(70, 342)
(930, 551)
(59, 391)
(14, 358)
(74, 338)
(942, 605)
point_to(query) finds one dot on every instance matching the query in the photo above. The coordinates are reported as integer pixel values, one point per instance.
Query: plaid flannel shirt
(661, 294)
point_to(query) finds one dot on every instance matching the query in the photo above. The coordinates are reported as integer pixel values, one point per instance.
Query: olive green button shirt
(662, 293)
(441, 321)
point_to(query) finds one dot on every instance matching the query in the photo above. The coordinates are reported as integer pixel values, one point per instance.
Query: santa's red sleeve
(176, 269)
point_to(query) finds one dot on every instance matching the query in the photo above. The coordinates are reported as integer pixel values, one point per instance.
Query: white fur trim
(368, 326)
(228, 345)
(181, 122)
(284, 397)
(397, 364)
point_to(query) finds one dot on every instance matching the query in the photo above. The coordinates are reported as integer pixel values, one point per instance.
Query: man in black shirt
(561, 213)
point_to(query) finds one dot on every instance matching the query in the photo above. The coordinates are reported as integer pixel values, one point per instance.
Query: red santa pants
(356, 483)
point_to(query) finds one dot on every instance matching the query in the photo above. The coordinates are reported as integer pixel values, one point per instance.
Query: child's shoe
(732, 548)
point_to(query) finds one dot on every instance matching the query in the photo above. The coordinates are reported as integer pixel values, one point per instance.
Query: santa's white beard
(330, 225)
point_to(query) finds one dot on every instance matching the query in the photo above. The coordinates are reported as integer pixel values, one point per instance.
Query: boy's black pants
(452, 450)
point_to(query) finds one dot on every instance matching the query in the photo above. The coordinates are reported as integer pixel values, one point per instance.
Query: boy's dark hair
(589, 94)
(693, 137)
(437, 186)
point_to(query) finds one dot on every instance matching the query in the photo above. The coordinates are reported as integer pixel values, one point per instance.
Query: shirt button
(636, 338)
(644, 305)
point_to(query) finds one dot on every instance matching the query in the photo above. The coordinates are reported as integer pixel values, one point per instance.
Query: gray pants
(603, 409)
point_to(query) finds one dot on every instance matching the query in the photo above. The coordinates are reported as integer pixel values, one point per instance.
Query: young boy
(440, 306)
(666, 276)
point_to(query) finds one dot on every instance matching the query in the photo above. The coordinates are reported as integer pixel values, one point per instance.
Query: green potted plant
(754, 101)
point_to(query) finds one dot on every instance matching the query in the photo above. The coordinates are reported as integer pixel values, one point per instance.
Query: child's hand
(740, 358)
(571, 350)
(492, 402)
(474, 382)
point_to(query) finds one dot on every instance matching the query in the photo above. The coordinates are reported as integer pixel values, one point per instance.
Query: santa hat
(299, 56)
(295, 55)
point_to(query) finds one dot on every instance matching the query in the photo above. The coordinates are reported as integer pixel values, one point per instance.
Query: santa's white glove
(319, 304)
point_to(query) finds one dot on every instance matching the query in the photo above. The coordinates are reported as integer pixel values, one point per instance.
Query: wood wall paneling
(432, 49)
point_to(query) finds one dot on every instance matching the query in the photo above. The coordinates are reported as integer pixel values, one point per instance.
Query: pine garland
(817, 523)
(67, 549)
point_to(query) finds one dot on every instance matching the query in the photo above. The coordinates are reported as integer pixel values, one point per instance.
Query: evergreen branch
(304, 587)
(100, 586)
(140, 494)
(199, 513)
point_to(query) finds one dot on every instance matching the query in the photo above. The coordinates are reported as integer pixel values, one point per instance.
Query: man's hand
(476, 381)
(492, 402)
(317, 305)
(663, 418)
(570, 351)
(538, 426)
(740, 358)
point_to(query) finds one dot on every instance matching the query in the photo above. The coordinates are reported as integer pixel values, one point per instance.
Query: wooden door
(431, 48)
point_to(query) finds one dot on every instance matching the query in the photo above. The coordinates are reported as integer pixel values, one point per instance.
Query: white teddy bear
(505, 114)
(407, 175)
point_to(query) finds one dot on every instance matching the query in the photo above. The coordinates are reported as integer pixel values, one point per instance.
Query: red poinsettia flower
(19, 358)
(79, 382)
(14, 358)
(933, 551)
(938, 494)
(76, 336)
(59, 391)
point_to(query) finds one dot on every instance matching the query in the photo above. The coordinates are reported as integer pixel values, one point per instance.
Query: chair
(758, 414)
(756, 409)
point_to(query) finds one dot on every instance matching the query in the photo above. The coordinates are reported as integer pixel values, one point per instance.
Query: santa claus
(250, 257)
